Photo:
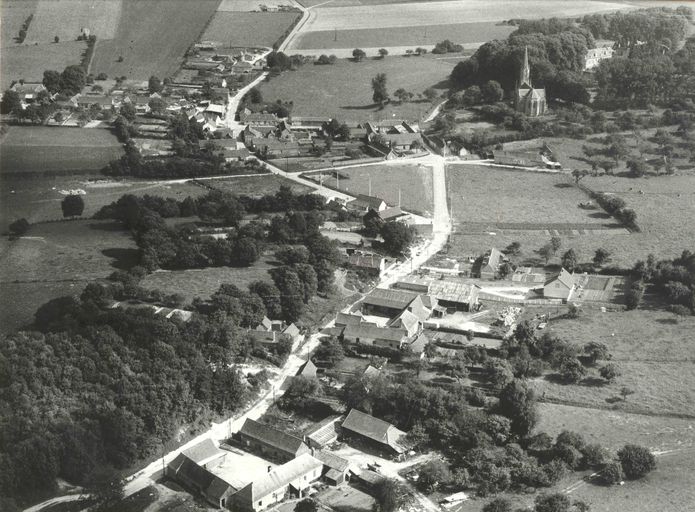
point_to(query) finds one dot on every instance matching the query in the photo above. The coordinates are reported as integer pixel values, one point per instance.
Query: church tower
(525, 82)
(530, 101)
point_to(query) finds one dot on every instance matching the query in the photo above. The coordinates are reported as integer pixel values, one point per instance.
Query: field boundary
(582, 405)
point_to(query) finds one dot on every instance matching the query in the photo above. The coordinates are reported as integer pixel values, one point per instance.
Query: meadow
(34, 149)
(152, 37)
(344, 91)
(14, 13)
(233, 28)
(414, 182)
(28, 62)
(55, 259)
(256, 185)
(66, 19)
(420, 35)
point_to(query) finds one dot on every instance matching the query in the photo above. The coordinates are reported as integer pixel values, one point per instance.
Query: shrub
(610, 372)
(593, 455)
(637, 461)
(476, 397)
(498, 505)
(19, 227)
(612, 473)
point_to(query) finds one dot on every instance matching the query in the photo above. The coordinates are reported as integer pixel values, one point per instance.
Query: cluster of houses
(304, 461)
(270, 333)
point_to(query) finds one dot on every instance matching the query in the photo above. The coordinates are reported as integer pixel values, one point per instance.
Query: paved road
(233, 104)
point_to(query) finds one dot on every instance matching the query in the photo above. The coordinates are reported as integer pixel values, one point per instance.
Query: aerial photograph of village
(347, 255)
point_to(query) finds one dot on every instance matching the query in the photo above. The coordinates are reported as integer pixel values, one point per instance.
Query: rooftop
(373, 428)
(271, 436)
(279, 477)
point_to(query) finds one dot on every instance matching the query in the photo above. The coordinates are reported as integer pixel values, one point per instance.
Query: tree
(552, 503)
(11, 102)
(637, 461)
(358, 54)
(637, 166)
(492, 91)
(430, 94)
(432, 474)
(72, 206)
(569, 260)
(518, 403)
(157, 105)
(498, 505)
(330, 350)
(380, 95)
(572, 370)
(625, 392)
(56, 39)
(383, 52)
(154, 84)
(255, 96)
(612, 473)
(51, 80)
(128, 112)
(578, 175)
(106, 488)
(398, 237)
(306, 505)
(595, 351)
(556, 243)
(389, 495)
(291, 293)
(402, 95)
(513, 249)
(72, 80)
(546, 252)
(302, 392)
(19, 227)
(601, 256)
(609, 372)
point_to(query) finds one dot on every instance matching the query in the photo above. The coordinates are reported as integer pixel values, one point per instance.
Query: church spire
(526, 71)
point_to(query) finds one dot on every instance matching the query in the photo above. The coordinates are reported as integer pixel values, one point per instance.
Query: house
(378, 433)
(369, 263)
(200, 480)
(258, 118)
(308, 370)
(291, 332)
(391, 214)
(530, 101)
(407, 321)
(271, 442)
(560, 286)
(336, 470)
(291, 479)
(490, 265)
(604, 50)
(28, 91)
(388, 302)
(87, 100)
(397, 141)
(372, 334)
(323, 433)
(205, 454)
(274, 148)
(345, 319)
(364, 203)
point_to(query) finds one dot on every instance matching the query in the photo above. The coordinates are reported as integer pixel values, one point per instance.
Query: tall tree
(380, 95)
(72, 206)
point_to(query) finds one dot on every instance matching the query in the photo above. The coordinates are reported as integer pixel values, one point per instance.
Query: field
(256, 185)
(56, 259)
(14, 13)
(248, 28)
(653, 351)
(67, 18)
(422, 35)
(152, 37)
(204, 282)
(663, 199)
(414, 182)
(344, 89)
(29, 62)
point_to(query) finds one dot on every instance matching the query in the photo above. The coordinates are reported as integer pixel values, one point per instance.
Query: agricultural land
(244, 29)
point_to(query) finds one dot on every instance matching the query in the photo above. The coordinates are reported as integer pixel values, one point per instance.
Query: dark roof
(368, 201)
(332, 460)
(366, 260)
(388, 298)
(271, 436)
(391, 213)
(372, 331)
(373, 428)
(202, 451)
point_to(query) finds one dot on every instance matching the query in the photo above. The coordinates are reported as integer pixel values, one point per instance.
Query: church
(530, 101)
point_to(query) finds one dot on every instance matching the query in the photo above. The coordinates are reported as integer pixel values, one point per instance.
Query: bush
(637, 461)
(612, 473)
(552, 503)
(498, 505)
(610, 372)
(19, 227)
(593, 455)
(476, 397)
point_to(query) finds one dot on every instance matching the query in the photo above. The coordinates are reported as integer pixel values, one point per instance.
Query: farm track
(607, 407)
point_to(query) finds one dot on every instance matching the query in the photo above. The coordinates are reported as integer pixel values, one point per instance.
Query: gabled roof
(332, 460)
(391, 213)
(308, 369)
(368, 201)
(373, 428)
(349, 318)
(371, 331)
(265, 325)
(418, 345)
(407, 320)
(325, 431)
(271, 436)
(564, 277)
(396, 299)
(212, 486)
(204, 450)
(291, 330)
(372, 261)
(371, 372)
(493, 259)
(279, 477)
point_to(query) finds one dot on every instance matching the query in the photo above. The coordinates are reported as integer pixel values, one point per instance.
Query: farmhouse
(364, 203)
(378, 433)
(449, 294)
(386, 215)
(490, 265)
(560, 286)
(258, 118)
(369, 263)
(28, 92)
(531, 153)
(271, 442)
(387, 302)
(371, 334)
(291, 479)
(530, 101)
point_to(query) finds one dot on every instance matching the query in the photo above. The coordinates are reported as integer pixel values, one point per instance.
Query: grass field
(414, 182)
(248, 28)
(152, 37)
(653, 350)
(256, 185)
(44, 149)
(29, 62)
(344, 89)
(56, 259)
(14, 13)
(67, 18)
(421, 35)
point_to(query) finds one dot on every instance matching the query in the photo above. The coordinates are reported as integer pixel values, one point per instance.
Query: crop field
(56, 259)
(14, 13)
(204, 282)
(421, 35)
(344, 89)
(248, 28)
(67, 18)
(256, 185)
(29, 62)
(653, 350)
(50, 149)
(414, 182)
(152, 37)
